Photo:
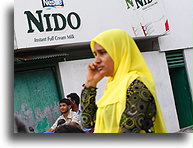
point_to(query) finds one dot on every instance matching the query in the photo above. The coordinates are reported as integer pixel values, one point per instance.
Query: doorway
(180, 86)
(36, 98)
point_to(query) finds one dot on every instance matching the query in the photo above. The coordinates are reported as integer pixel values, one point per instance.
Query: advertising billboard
(55, 22)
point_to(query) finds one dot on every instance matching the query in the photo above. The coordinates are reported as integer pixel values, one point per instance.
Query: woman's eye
(103, 52)
(100, 52)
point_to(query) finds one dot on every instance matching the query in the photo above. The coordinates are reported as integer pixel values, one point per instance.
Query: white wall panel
(180, 18)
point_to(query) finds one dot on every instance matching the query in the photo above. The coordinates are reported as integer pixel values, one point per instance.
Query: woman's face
(104, 62)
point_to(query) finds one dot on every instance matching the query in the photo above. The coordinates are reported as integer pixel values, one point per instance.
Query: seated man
(75, 101)
(70, 117)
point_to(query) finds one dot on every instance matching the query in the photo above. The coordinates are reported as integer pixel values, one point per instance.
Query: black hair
(65, 101)
(68, 129)
(74, 97)
(60, 122)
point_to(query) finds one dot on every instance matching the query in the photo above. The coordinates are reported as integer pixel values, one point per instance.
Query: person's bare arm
(50, 130)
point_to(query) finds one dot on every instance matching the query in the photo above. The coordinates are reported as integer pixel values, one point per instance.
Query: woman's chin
(103, 73)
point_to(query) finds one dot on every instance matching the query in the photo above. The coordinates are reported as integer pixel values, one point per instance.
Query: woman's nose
(97, 59)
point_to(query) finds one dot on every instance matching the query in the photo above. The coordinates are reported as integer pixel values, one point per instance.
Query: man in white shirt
(70, 117)
(75, 101)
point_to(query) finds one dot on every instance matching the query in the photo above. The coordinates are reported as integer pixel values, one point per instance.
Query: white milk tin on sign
(147, 17)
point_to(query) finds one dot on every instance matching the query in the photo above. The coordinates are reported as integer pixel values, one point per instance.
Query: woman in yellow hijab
(129, 102)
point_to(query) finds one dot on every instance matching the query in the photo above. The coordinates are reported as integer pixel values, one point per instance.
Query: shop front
(52, 51)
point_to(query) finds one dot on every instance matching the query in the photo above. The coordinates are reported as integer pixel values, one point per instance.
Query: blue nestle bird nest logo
(52, 3)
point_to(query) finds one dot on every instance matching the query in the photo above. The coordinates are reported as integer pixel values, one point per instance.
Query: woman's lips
(99, 68)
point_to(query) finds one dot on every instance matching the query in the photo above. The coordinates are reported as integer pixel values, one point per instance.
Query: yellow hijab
(128, 65)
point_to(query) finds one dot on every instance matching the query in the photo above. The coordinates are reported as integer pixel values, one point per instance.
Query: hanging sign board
(55, 22)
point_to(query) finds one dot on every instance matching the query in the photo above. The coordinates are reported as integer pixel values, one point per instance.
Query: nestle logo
(52, 3)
